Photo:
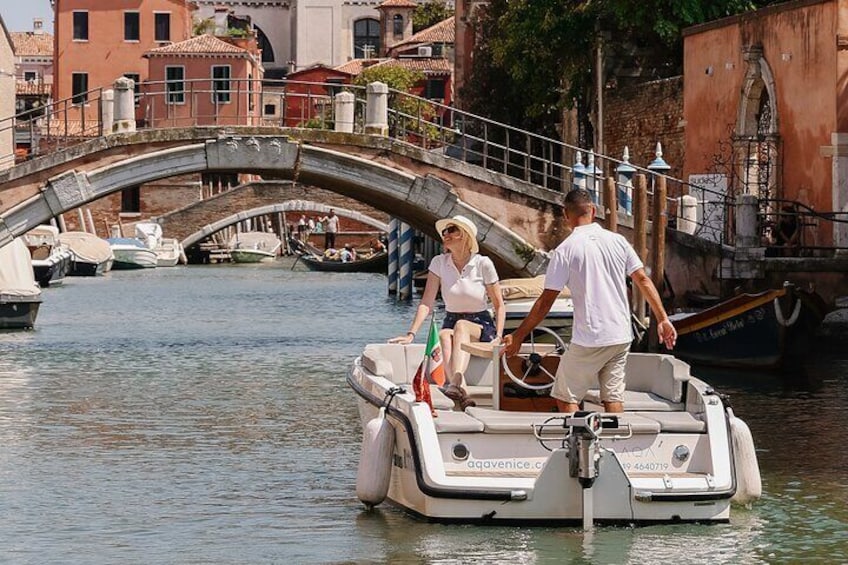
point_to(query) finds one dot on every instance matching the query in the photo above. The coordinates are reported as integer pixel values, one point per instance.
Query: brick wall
(639, 116)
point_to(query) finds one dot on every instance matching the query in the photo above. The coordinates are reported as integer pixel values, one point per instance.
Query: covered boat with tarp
(20, 295)
(91, 255)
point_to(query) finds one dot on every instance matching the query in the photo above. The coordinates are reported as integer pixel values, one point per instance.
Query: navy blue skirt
(483, 319)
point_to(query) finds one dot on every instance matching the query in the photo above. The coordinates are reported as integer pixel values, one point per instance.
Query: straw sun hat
(465, 225)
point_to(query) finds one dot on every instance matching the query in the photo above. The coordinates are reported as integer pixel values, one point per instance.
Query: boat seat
(448, 421)
(653, 383)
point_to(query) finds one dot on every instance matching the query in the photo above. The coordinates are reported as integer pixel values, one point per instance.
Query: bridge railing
(434, 126)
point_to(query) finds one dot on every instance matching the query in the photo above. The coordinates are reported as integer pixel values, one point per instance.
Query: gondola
(376, 263)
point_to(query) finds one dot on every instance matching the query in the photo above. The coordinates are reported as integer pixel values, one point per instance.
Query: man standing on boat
(331, 226)
(594, 263)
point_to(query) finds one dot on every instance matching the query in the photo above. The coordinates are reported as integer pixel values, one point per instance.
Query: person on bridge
(594, 263)
(465, 278)
(331, 227)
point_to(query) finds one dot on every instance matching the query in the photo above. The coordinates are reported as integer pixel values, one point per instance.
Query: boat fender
(749, 486)
(375, 461)
(778, 313)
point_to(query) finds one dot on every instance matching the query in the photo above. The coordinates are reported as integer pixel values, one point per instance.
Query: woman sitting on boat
(465, 278)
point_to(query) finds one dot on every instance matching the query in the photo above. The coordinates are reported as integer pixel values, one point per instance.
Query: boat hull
(251, 256)
(53, 270)
(132, 259)
(18, 314)
(83, 268)
(376, 264)
(758, 331)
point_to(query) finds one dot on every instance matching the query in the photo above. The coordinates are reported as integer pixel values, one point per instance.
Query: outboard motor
(584, 453)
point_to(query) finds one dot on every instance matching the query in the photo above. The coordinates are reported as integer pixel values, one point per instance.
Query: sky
(18, 14)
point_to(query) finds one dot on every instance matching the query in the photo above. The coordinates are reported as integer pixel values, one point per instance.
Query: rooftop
(29, 44)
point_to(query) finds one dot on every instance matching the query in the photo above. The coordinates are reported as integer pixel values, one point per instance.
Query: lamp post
(625, 172)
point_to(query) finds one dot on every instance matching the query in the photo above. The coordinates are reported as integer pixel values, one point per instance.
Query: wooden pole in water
(611, 205)
(640, 236)
(660, 221)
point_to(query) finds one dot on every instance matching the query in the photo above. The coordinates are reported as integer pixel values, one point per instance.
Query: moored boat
(254, 247)
(51, 259)
(20, 295)
(169, 252)
(376, 263)
(677, 453)
(131, 253)
(765, 330)
(91, 255)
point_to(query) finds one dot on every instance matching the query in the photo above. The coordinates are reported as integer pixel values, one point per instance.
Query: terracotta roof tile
(442, 32)
(398, 4)
(201, 45)
(426, 66)
(356, 66)
(29, 44)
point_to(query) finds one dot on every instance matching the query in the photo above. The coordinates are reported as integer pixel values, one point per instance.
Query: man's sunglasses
(450, 229)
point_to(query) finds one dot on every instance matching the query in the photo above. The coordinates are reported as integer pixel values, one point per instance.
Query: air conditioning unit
(425, 51)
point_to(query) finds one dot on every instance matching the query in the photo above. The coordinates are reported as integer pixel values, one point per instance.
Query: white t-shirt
(594, 263)
(464, 292)
(332, 224)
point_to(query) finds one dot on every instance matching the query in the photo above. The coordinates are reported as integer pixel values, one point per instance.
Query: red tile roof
(398, 4)
(442, 32)
(29, 44)
(356, 66)
(426, 66)
(201, 45)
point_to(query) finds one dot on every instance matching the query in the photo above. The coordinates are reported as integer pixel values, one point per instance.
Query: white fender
(749, 486)
(375, 461)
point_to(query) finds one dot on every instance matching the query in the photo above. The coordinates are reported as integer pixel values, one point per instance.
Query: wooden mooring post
(611, 204)
(640, 236)
(658, 227)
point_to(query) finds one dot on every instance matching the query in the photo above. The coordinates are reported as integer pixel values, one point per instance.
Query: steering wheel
(531, 362)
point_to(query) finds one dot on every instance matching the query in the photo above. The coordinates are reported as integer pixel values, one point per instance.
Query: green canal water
(200, 415)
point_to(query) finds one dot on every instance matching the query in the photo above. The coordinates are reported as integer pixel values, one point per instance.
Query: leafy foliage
(430, 13)
(535, 57)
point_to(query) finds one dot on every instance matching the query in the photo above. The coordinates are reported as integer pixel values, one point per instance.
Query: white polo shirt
(464, 292)
(594, 263)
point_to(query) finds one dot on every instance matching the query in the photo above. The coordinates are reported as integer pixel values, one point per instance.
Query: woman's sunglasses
(450, 229)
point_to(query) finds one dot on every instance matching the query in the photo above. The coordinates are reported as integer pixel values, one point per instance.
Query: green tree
(535, 57)
(430, 13)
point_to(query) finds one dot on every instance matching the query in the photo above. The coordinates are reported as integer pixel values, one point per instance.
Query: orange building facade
(95, 42)
(766, 106)
(205, 80)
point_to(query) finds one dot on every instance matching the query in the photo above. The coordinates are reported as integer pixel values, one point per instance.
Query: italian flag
(431, 370)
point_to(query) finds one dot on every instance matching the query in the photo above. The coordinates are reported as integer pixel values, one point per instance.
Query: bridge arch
(288, 206)
(418, 199)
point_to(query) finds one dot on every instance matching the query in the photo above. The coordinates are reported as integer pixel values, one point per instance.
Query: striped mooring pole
(393, 256)
(405, 257)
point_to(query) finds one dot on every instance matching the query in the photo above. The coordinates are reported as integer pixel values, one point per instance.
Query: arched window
(397, 26)
(366, 38)
(265, 45)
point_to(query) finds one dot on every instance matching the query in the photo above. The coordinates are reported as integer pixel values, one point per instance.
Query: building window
(397, 26)
(366, 39)
(270, 110)
(79, 88)
(80, 26)
(221, 84)
(132, 26)
(30, 76)
(336, 85)
(162, 25)
(435, 89)
(131, 200)
(136, 78)
(174, 79)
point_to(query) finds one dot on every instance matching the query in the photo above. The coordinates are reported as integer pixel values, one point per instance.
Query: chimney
(37, 26)
(221, 23)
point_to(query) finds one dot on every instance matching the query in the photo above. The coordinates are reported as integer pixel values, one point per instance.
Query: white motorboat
(137, 252)
(254, 247)
(20, 295)
(677, 453)
(520, 295)
(91, 255)
(169, 252)
(51, 259)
